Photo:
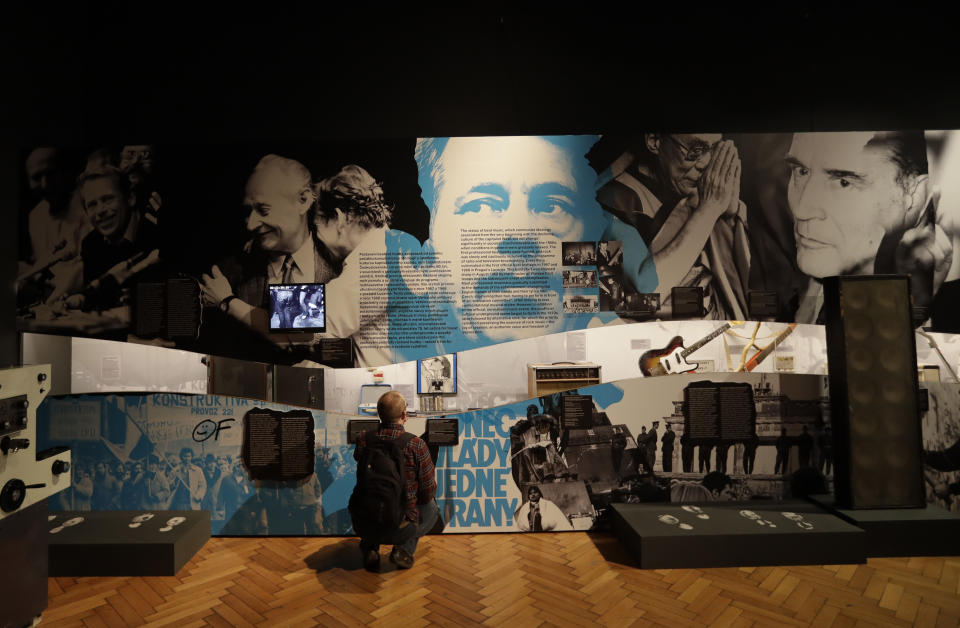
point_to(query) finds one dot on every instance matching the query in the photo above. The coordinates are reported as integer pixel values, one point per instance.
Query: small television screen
(298, 307)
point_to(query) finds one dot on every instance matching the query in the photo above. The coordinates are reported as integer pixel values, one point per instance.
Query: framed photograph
(579, 279)
(610, 257)
(579, 253)
(640, 306)
(437, 376)
(579, 303)
(612, 295)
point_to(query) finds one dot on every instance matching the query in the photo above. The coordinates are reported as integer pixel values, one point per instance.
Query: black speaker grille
(873, 385)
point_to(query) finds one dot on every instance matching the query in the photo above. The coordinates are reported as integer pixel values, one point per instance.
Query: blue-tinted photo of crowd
(218, 483)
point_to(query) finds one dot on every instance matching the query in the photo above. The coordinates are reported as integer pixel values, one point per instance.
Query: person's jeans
(405, 537)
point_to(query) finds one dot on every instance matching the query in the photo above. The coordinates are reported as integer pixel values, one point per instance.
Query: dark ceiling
(102, 71)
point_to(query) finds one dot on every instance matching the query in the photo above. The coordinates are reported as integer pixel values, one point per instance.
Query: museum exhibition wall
(685, 269)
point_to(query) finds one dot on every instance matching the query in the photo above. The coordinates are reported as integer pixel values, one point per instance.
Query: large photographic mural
(171, 451)
(438, 245)
(691, 439)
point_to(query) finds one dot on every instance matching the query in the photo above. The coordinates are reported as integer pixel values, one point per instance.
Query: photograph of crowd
(297, 306)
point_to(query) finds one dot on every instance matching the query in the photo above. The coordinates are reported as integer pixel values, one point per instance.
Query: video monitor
(298, 307)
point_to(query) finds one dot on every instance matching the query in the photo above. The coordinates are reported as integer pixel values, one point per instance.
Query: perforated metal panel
(873, 392)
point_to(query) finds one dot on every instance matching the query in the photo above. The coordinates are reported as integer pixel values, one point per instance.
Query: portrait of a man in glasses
(682, 193)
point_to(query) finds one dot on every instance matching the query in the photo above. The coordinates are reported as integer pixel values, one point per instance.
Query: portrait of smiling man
(278, 205)
(119, 232)
(861, 206)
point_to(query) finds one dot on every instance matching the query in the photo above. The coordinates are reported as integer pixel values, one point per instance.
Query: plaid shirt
(421, 484)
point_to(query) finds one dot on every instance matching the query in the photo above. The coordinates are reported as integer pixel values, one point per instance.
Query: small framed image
(437, 376)
(579, 279)
(580, 303)
(784, 363)
(644, 305)
(612, 295)
(579, 253)
(610, 257)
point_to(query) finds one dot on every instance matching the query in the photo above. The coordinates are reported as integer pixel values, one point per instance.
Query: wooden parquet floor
(502, 579)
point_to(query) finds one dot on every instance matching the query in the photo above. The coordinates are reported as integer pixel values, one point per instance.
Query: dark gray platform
(104, 544)
(728, 539)
(930, 531)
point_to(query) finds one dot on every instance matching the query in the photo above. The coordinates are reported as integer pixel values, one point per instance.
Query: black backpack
(380, 497)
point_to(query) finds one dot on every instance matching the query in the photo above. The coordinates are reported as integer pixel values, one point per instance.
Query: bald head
(391, 407)
(288, 175)
(277, 199)
(41, 166)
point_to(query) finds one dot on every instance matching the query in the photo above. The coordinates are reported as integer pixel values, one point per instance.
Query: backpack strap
(402, 441)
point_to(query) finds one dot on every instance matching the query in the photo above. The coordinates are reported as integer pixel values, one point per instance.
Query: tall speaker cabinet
(873, 392)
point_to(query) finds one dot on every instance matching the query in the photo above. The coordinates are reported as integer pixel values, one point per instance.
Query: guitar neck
(757, 359)
(783, 335)
(704, 340)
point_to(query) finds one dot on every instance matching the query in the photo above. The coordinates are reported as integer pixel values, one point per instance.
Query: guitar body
(666, 361)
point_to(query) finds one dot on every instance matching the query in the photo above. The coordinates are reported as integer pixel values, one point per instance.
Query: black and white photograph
(100, 220)
(612, 296)
(580, 304)
(554, 507)
(610, 257)
(297, 307)
(654, 183)
(941, 445)
(640, 305)
(579, 253)
(579, 279)
(437, 375)
(92, 229)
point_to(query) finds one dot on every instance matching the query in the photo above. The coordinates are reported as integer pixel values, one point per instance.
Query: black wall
(172, 72)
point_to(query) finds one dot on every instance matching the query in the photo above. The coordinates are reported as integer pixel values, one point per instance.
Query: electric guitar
(752, 363)
(673, 358)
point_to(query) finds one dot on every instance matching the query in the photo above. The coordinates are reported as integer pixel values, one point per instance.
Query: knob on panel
(9, 445)
(12, 495)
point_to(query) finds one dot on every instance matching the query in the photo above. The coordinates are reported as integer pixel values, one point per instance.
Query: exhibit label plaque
(278, 445)
(576, 411)
(356, 428)
(443, 432)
